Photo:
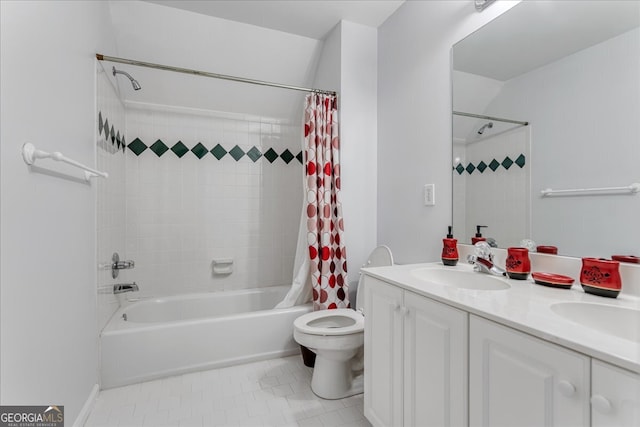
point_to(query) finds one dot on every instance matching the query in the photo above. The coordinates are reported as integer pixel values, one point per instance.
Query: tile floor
(268, 393)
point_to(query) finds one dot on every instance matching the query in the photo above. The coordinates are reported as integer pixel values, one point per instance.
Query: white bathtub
(185, 333)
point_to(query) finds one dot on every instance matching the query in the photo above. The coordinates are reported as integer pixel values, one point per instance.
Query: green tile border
(493, 165)
(137, 146)
(111, 135)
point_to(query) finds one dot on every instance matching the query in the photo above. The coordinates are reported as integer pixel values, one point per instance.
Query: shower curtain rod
(497, 119)
(101, 57)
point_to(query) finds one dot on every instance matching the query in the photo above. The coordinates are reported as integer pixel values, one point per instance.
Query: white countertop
(525, 306)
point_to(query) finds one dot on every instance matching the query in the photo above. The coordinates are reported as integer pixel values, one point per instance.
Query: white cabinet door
(435, 363)
(383, 353)
(519, 380)
(615, 396)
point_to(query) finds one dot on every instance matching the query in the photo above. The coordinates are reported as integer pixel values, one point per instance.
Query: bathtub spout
(125, 287)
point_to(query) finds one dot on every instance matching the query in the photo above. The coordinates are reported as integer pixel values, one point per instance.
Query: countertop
(526, 306)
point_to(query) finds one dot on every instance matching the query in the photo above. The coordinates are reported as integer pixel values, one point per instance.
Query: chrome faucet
(483, 265)
(121, 288)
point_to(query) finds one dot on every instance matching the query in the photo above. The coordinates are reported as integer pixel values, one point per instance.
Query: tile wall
(494, 173)
(203, 185)
(111, 201)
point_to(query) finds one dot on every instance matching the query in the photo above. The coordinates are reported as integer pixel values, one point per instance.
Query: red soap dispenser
(478, 237)
(450, 249)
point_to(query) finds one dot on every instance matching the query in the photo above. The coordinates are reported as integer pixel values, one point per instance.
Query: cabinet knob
(566, 388)
(404, 311)
(601, 404)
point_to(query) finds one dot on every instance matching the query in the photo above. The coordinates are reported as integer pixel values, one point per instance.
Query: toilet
(337, 339)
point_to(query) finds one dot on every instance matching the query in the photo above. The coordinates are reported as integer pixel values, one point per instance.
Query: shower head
(134, 82)
(485, 126)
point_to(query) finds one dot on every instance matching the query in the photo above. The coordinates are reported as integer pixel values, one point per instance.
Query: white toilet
(337, 339)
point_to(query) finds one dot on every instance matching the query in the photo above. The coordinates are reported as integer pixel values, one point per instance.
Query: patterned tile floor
(268, 393)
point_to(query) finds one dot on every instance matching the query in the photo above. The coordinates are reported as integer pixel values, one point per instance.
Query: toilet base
(334, 379)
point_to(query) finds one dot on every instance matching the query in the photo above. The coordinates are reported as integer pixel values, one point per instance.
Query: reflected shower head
(134, 82)
(485, 126)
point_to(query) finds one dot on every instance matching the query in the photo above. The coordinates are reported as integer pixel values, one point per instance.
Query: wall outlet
(429, 194)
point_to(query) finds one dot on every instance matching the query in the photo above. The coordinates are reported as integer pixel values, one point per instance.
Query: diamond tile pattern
(179, 149)
(218, 152)
(114, 136)
(236, 152)
(137, 146)
(286, 156)
(159, 148)
(199, 150)
(494, 165)
(100, 123)
(270, 155)
(254, 154)
(507, 162)
(470, 168)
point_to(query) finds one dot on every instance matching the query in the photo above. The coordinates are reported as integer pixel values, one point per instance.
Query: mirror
(570, 70)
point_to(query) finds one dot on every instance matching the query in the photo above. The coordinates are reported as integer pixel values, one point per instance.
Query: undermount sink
(460, 279)
(618, 321)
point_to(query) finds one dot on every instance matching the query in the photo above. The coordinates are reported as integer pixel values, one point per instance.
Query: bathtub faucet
(125, 287)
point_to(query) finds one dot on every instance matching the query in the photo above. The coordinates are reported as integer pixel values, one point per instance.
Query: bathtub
(174, 335)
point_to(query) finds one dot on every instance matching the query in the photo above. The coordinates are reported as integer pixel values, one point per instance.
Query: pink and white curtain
(325, 226)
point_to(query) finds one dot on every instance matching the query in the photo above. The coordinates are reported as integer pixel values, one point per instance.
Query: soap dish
(552, 280)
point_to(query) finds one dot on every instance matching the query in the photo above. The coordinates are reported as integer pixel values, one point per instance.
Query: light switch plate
(429, 194)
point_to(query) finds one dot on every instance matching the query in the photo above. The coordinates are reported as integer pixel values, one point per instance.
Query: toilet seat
(341, 321)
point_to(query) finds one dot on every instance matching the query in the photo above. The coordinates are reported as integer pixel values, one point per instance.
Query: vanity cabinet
(615, 396)
(415, 359)
(519, 380)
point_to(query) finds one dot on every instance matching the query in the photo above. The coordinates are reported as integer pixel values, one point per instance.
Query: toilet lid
(341, 321)
(379, 257)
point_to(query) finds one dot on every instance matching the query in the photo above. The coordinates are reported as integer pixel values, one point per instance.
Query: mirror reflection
(570, 71)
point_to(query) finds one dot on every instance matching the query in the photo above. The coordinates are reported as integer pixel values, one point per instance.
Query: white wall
(348, 64)
(170, 36)
(359, 136)
(414, 121)
(48, 298)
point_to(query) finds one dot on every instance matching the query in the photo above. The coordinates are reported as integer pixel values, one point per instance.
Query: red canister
(547, 250)
(518, 263)
(600, 277)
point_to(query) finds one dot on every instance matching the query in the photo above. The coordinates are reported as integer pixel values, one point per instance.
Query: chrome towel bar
(633, 188)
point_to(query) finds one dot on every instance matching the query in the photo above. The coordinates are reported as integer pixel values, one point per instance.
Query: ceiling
(309, 18)
(536, 33)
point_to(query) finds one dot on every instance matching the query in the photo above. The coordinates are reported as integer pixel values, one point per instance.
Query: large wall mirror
(547, 96)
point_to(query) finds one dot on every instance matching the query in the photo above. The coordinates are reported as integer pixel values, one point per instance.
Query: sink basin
(460, 279)
(618, 321)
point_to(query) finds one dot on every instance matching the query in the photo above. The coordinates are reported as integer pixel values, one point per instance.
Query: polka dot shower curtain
(325, 227)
